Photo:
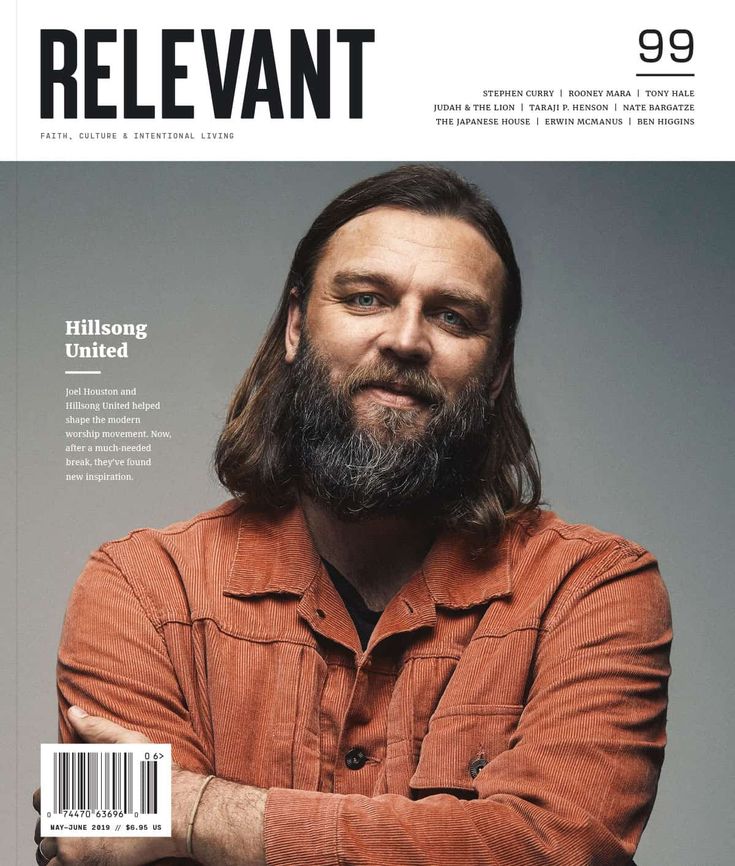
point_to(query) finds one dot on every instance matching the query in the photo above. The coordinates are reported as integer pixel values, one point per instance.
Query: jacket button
(355, 759)
(476, 766)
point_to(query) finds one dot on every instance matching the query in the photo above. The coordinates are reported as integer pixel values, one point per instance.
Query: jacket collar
(275, 554)
(457, 578)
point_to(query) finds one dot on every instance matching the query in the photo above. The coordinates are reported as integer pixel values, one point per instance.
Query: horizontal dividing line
(664, 75)
(82, 372)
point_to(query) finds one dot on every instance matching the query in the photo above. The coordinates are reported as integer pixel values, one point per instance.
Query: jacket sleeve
(577, 783)
(113, 662)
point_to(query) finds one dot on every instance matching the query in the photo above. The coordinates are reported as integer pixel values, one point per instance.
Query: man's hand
(95, 851)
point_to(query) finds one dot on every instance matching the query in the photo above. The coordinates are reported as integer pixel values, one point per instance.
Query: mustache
(392, 377)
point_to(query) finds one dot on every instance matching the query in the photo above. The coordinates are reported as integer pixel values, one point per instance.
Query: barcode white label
(106, 790)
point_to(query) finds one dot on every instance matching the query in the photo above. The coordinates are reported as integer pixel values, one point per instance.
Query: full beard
(393, 460)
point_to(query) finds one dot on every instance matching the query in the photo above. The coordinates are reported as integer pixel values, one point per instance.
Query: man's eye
(364, 300)
(450, 317)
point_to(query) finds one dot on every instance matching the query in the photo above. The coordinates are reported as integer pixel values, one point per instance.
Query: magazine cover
(366, 429)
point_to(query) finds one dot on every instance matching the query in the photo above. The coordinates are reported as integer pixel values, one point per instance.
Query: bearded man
(382, 650)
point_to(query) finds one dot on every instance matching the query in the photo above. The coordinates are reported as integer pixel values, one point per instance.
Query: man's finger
(95, 729)
(48, 848)
(37, 833)
(37, 800)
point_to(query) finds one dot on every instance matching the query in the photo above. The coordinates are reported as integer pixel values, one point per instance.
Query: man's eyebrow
(465, 298)
(347, 279)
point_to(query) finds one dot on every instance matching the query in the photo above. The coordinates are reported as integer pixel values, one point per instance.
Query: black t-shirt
(364, 618)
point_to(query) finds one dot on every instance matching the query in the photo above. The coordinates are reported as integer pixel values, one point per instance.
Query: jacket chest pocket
(458, 745)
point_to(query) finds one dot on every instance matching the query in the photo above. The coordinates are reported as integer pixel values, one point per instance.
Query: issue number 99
(652, 43)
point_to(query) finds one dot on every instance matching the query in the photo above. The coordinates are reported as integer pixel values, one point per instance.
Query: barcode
(106, 780)
(94, 789)
(149, 787)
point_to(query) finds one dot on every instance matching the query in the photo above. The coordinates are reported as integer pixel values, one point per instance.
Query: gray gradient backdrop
(625, 360)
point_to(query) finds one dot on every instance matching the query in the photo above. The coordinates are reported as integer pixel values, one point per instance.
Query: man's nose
(406, 336)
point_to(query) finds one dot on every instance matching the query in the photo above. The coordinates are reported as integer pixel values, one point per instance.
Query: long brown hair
(253, 457)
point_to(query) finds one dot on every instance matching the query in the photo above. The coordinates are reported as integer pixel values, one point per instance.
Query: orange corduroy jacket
(509, 710)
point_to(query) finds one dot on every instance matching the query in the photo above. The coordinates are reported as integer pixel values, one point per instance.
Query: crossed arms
(553, 799)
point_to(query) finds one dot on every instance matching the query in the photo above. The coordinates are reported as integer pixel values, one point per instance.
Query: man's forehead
(446, 248)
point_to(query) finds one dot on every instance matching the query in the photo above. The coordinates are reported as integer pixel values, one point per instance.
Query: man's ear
(293, 326)
(502, 366)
